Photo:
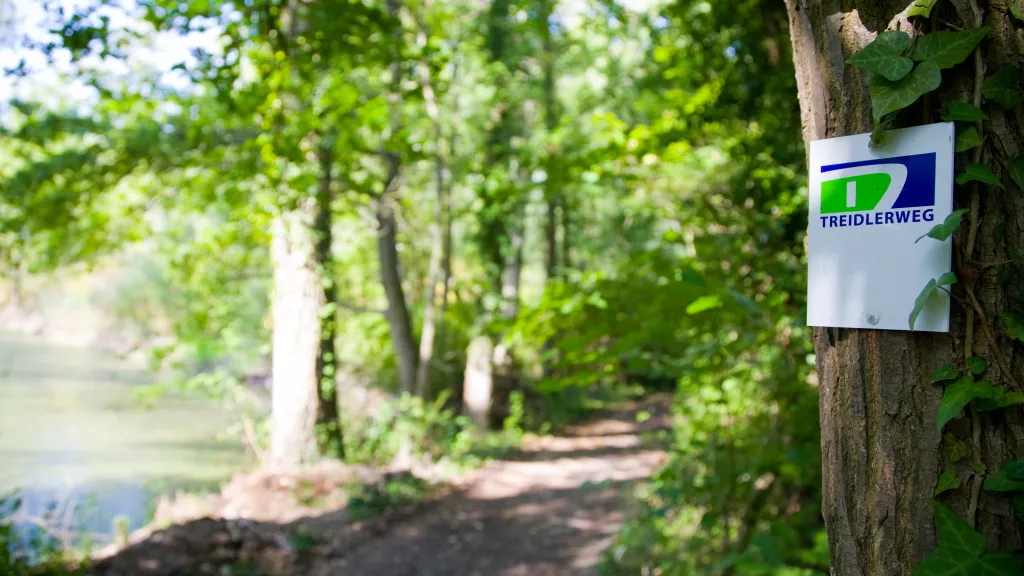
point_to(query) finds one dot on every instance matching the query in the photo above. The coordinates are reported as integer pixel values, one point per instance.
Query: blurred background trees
(600, 196)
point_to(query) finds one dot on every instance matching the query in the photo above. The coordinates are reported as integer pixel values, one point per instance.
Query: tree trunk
(478, 384)
(390, 276)
(328, 422)
(429, 332)
(551, 188)
(298, 296)
(881, 452)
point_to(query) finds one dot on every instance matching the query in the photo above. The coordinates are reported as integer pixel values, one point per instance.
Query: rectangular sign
(868, 206)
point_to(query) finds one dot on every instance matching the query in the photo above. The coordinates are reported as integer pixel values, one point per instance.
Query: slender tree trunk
(881, 452)
(479, 383)
(551, 184)
(298, 297)
(402, 335)
(329, 426)
(430, 320)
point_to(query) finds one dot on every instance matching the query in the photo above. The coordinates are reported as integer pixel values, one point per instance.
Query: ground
(550, 508)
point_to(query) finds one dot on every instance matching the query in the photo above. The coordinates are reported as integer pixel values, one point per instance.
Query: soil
(550, 508)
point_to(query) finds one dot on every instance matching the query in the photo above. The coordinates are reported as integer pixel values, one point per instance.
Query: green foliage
(961, 551)
(1016, 170)
(963, 112)
(978, 173)
(942, 232)
(1003, 87)
(1001, 399)
(947, 49)
(423, 429)
(1014, 324)
(967, 138)
(884, 55)
(391, 494)
(958, 395)
(926, 293)
(1007, 479)
(945, 372)
(977, 365)
(921, 8)
(948, 481)
(27, 551)
(888, 96)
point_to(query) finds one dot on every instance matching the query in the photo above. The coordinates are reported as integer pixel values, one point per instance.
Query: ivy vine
(901, 70)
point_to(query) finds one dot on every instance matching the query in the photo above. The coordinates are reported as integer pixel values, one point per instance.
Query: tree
(883, 449)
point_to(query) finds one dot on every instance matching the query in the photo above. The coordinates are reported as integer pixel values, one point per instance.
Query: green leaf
(955, 449)
(1015, 469)
(706, 302)
(943, 231)
(921, 300)
(1002, 481)
(967, 138)
(889, 96)
(948, 481)
(978, 172)
(947, 279)
(1018, 504)
(1002, 87)
(1014, 324)
(977, 365)
(963, 112)
(1001, 399)
(956, 535)
(884, 56)
(1015, 11)
(922, 8)
(944, 372)
(958, 394)
(947, 49)
(1016, 170)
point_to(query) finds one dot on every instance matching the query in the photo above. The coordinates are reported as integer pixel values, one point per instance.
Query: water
(70, 426)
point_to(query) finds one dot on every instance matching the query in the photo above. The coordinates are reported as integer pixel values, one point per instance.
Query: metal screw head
(873, 318)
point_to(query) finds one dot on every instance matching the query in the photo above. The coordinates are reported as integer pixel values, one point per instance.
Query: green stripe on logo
(853, 194)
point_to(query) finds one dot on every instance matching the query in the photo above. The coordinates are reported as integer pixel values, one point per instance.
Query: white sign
(868, 207)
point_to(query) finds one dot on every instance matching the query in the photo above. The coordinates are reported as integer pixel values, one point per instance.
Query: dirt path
(547, 509)
(550, 510)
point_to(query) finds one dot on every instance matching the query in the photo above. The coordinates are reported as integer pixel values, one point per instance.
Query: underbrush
(30, 550)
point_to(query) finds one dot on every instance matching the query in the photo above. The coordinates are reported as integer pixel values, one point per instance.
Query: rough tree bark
(298, 296)
(881, 452)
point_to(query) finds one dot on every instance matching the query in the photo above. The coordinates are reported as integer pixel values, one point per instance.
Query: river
(70, 426)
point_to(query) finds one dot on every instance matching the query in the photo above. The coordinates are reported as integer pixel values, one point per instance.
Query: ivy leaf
(967, 139)
(884, 56)
(956, 535)
(1015, 469)
(1001, 399)
(947, 279)
(955, 449)
(1017, 171)
(958, 394)
(963, 112)
(889, 97)
(922, 8)
(921, 300)
(948, 481)
(1014, 325)
(1015, 11)
(1018, 504)
(943, 231)
(1002, 481)
(977, 365)
(947, 49)
(1002, 87)
(944, 372)
(945, 562)
(978, 172)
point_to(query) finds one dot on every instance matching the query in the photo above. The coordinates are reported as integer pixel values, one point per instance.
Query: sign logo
(878, 192)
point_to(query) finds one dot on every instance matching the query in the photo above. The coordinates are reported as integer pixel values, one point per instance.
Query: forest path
(550, 508)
